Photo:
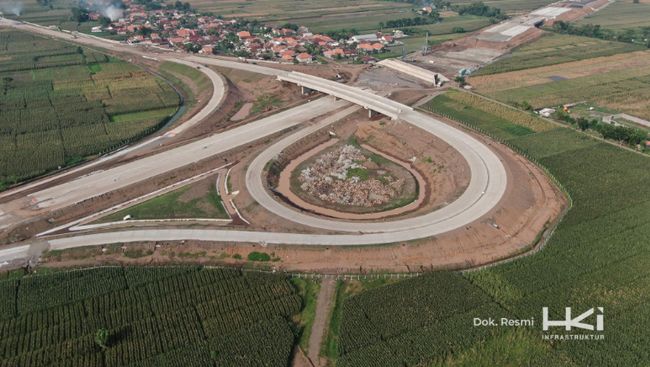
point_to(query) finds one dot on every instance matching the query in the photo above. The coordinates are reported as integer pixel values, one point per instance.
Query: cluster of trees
(639, 35)
(46, 3)
(434, 17)
(183, 6)
(482, 10)
(342, 33)
(628, 135)
(438, 4)
(79, 15)
(149, 4)
(291, 26)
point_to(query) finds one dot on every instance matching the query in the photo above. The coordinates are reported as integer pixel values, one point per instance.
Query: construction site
(343, 172)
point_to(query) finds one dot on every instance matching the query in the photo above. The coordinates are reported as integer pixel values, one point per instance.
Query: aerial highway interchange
(488, 177)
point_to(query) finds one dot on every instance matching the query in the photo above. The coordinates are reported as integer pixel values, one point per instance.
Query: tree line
(629, 135)
(638, 35)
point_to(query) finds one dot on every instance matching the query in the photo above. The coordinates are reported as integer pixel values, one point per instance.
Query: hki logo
(576, 322)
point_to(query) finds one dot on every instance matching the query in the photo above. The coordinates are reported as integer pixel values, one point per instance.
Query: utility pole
(425, 48)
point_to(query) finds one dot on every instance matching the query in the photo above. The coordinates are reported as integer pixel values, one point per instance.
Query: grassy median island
(148, 316)
(599, 256)
(199, 200)
(189, 80)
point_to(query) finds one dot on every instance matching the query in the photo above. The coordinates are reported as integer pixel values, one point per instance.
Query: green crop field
(555, 48)
(60, 103)
(54, 13)
(599, 256)
(510, 6)
(309, 11)
(619, 83)
(167, 316)
(57, 12)
(363, 16)
(622, 14)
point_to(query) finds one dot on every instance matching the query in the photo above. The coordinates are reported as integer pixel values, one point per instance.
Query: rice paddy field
(619, 82)
(599, 256)
(60, 104)
(622, 14)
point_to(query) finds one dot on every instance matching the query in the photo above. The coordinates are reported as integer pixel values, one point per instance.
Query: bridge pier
(305, 91)
(372, 114)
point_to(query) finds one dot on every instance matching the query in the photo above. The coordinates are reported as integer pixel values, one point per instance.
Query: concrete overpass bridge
(366, 99)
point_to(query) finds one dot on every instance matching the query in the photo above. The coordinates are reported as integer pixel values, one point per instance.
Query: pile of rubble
(330, 179)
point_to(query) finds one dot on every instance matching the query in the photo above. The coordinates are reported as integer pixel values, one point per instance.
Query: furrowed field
(311, 13)
(599, 256)
(623, 14)
(554, 49)
(363, 16)
(60, 103)
(619, 82)
(168, 316)
(53, 13)
(510, 6)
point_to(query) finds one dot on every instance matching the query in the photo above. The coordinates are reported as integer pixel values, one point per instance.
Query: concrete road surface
(101, 182)
(487, 185)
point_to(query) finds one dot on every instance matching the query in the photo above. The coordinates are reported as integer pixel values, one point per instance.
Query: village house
(243, 35)
(288, 55)
(304, 58)
(208, 34)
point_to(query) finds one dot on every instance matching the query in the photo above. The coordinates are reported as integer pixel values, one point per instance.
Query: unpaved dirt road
(324, 305)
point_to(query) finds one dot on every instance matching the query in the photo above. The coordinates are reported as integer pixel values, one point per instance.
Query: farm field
(510, 6)
(623, 14)
(310, 12)
(149, 316)
(363, 16)
(61, 103)
(619, 82)
(494, 119)
(554, 49)
(55, 13)
(32, 11)
(598, 256)
(199, 200)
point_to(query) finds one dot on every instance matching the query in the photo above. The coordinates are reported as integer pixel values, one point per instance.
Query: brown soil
(243, 112)
(444, 170)
(313, 205)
